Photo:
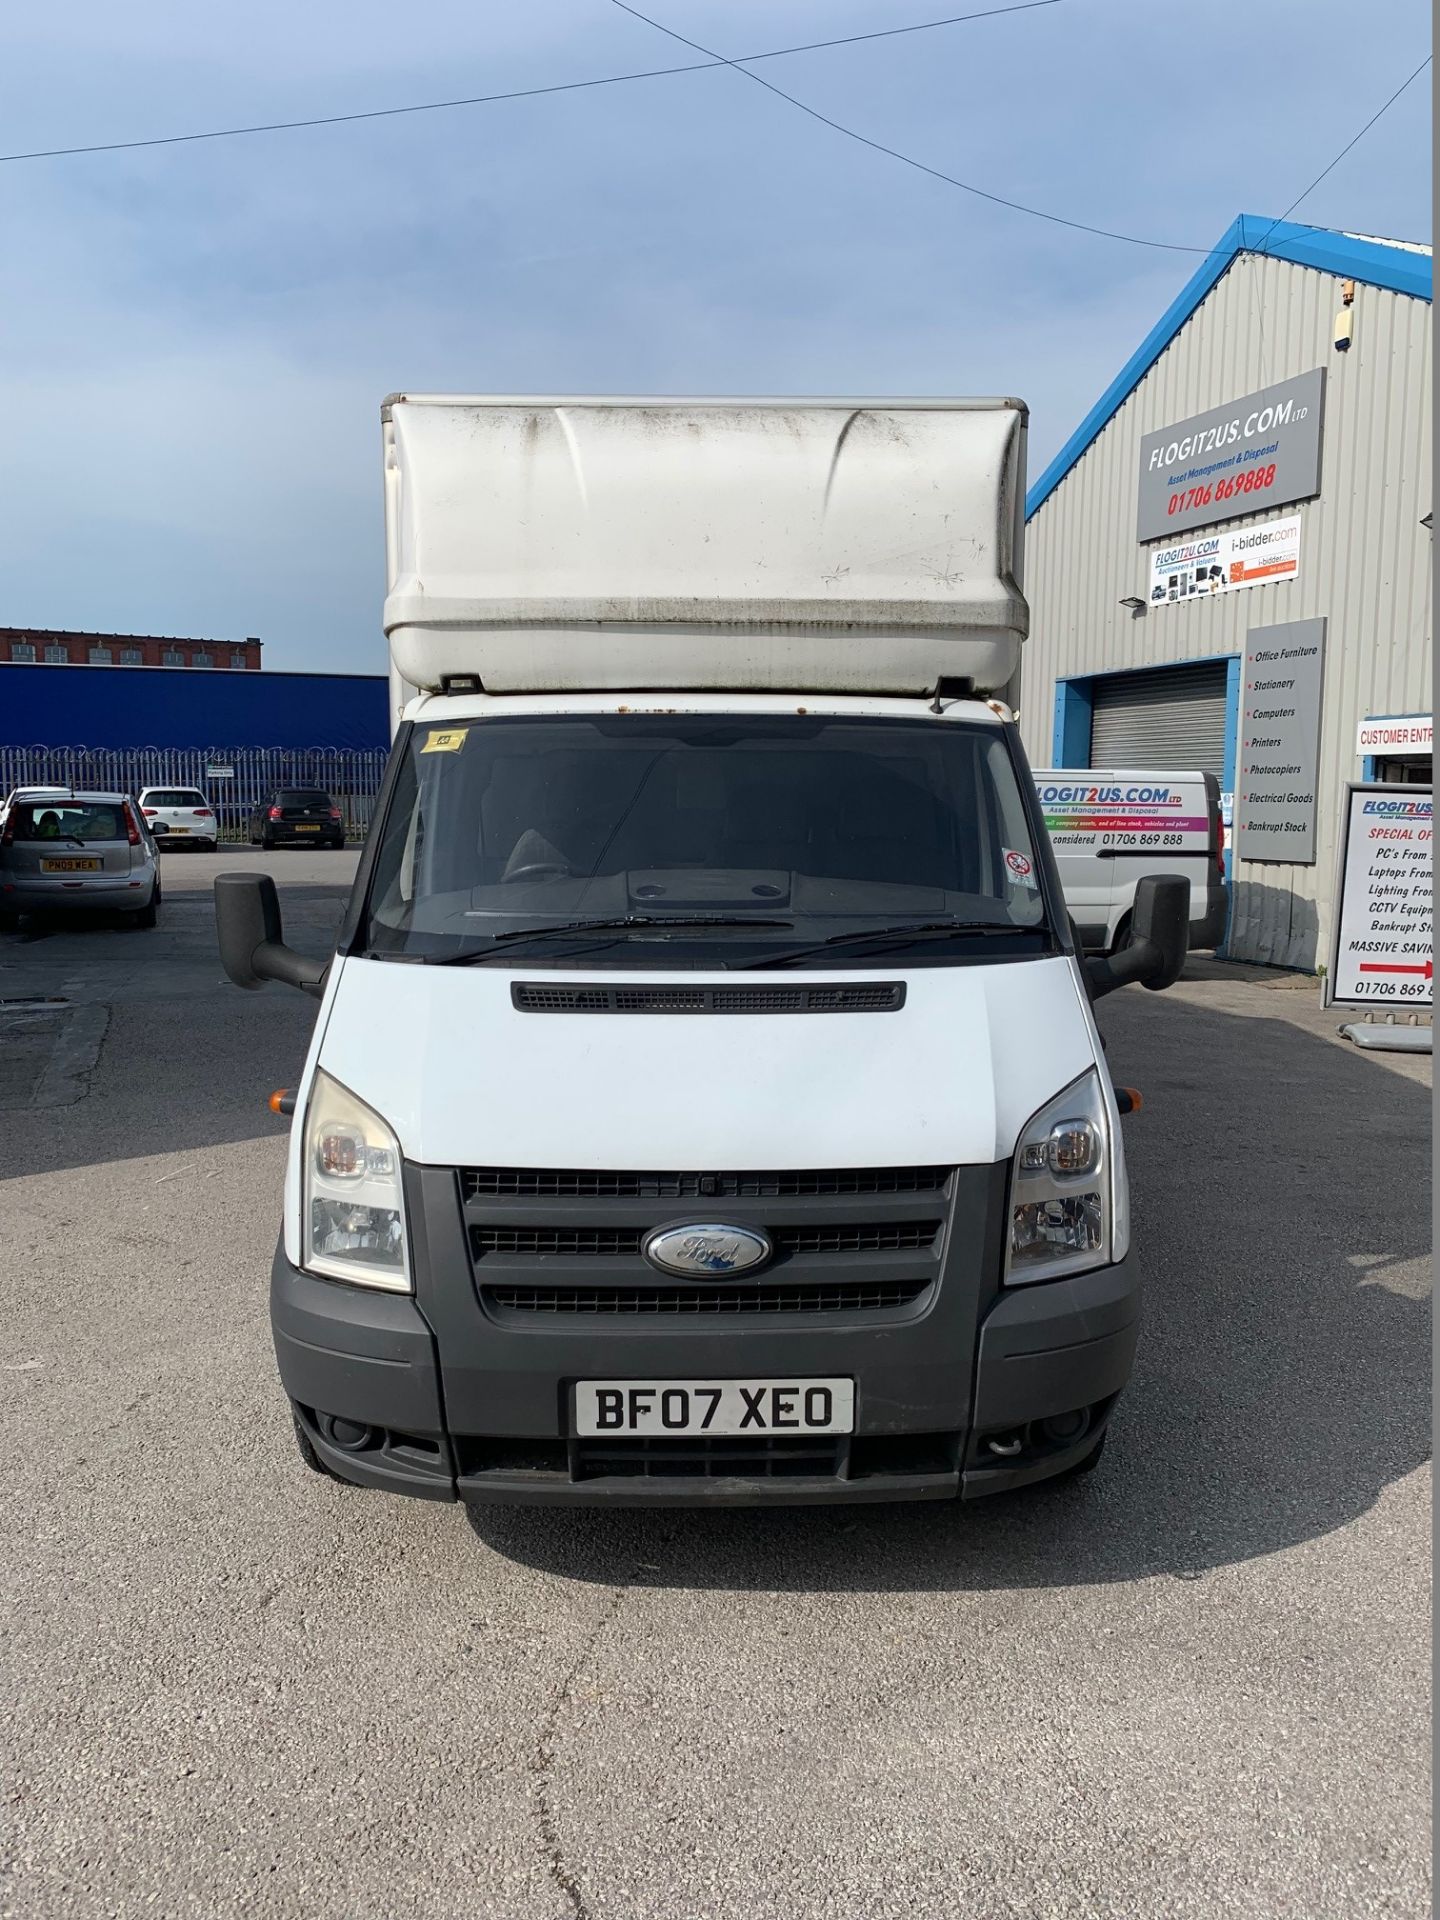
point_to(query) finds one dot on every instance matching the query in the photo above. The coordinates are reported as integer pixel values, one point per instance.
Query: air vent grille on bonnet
(885, 996)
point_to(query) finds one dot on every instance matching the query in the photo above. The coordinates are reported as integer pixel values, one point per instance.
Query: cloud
(203, 335)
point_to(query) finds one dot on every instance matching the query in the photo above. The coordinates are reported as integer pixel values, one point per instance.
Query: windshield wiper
(620, 923)
(887, 936)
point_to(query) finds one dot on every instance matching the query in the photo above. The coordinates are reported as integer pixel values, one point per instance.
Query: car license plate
(69, 866)
(175, 829)
(713, 1406)
(302, 828)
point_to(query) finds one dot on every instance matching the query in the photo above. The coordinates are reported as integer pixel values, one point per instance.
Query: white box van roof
(842, 545)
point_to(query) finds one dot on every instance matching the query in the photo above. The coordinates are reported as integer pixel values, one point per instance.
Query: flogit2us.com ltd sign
(1251, 454)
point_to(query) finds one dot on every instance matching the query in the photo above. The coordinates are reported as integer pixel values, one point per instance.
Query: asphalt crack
(544, 1758)
(48, 1051)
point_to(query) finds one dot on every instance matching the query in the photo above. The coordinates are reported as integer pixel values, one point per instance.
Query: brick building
(37, 646)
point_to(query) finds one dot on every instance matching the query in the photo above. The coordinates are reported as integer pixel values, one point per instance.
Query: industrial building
(1229, 560)
(235, 736)
(53, 647)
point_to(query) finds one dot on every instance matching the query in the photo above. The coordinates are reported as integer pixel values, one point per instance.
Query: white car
(180, 817)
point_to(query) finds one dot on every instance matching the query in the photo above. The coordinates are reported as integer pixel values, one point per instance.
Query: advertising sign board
(1086, 816)
(1225, 562)
(1279, 757)
(1262, 451)
(1383, 950)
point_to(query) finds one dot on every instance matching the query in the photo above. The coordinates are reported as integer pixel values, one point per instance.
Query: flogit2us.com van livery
(705, 1103)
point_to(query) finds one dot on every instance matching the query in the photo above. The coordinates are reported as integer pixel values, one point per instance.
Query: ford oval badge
(711, 1253)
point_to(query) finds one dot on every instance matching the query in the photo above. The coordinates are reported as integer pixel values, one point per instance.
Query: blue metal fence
(234, 778)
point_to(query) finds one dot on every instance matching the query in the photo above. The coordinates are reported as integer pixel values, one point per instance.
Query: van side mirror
(1159, 939)
(252, 947)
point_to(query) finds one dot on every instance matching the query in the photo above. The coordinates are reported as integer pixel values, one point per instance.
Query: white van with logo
(1111, 827)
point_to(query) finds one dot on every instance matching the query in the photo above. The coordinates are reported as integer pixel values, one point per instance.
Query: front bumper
(493, 1427)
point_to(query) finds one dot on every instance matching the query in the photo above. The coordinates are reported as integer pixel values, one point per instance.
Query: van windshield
(706, 840)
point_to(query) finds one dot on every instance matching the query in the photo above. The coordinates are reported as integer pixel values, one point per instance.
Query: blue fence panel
(235, 779)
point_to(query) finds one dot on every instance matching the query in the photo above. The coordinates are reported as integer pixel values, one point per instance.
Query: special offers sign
(1384, 948)
(1251, 454)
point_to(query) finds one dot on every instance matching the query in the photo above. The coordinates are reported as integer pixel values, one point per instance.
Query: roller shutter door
(1171, 718)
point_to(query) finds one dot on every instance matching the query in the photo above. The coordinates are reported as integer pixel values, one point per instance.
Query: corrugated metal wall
(1364, 563)
(119, 708)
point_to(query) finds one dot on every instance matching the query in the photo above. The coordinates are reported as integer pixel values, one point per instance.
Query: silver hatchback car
(62, 852)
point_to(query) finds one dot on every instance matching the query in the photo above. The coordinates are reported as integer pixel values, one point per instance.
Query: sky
(195, 339)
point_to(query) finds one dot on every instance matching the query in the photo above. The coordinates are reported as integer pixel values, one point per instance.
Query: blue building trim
(1232, 720)
(1370, 261)
(1073, 706)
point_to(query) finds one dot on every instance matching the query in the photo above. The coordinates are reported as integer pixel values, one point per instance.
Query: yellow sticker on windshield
(446, 740)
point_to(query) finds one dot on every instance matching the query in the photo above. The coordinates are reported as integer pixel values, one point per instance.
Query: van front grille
(570, 1241)
(584, 1183)
(706, 1457)
(891, 1236)
(846, 1296)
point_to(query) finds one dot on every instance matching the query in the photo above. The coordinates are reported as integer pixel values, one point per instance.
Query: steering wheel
(538, 870)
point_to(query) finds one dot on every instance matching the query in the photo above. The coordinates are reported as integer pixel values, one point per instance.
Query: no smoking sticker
(1020, 867)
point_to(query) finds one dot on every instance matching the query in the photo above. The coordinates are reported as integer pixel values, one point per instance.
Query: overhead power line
(966, 186)
(518, 93)
(1349, 143)
(894, 153)
(742, 64)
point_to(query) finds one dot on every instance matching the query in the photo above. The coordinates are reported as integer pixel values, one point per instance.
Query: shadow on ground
(1282, 1216)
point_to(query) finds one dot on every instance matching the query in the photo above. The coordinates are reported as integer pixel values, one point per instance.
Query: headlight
(1063, 1189)
(354, 1210)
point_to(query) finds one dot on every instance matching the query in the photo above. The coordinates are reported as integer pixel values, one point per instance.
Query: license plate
(169, 830)
(69, 866)
(714, 1406)
(304, 829)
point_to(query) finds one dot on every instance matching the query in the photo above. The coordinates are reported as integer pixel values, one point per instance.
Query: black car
(297, 817)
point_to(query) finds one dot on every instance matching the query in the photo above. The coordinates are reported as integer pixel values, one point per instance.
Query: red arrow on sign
(1377, 966)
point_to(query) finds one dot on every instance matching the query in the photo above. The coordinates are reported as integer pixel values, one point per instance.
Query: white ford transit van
(1111, 827)
(705, 1103)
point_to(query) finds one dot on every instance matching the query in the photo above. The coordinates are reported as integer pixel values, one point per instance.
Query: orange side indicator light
(282, 1101)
